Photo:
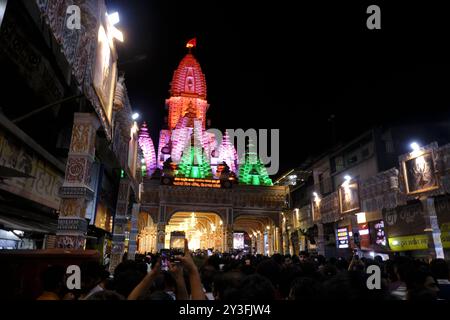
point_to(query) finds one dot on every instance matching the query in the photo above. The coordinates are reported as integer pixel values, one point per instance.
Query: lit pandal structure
(196, 183)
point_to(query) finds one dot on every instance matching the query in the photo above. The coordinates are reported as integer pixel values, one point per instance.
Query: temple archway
(147, 231)
(204, 230)
(263, 232)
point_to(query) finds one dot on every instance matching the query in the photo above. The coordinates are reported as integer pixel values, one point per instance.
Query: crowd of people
(228, 277)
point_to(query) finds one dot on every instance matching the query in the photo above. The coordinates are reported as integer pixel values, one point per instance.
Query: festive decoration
(164, 148)
(146, 144)
(208, 157)
(228, 154)
(188, 92)
(194, 163)
(253, 171)
(191, 43)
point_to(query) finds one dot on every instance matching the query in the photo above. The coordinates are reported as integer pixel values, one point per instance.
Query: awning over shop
(21, 214)
(9, 223)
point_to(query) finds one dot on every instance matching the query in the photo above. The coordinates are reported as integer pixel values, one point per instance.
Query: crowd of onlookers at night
(238, 277)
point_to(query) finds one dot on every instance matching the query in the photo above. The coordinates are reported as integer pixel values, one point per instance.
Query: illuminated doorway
(204, 230)
(146, 240)
(262, 232)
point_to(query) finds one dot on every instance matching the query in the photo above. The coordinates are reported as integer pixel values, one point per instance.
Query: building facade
(373, 197)
(69, 147)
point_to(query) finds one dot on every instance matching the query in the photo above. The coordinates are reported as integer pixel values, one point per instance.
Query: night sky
(289, 66)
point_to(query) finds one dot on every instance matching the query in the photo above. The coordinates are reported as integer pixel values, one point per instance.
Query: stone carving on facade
(381, 191)
(80, 138)
(76, 167)
(70, 242)
(44, 187)
(329, 208)
(119, 94)
(73, 207)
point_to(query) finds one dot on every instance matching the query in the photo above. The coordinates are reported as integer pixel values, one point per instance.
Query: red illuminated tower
(187, 93)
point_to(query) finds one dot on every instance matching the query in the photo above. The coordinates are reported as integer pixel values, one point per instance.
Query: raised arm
(194, 276)
(145, 284)
(176, 270)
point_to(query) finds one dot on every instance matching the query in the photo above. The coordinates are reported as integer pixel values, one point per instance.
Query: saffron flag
(191, 43)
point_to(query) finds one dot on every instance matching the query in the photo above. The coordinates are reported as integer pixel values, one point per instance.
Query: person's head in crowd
(253, 288)
(127, 276)
(52, 282)
(226, 283)
(341, 264)
(106, 295)
(306, 289)
(278, 258)
(303, 256)
(207, 274)
(156, 295)
(287, 260)
(328, 271)
(321, 260)
(270, 270)
(338, 288)
(378, 260)
(439, 269)
(164, 282)
(91, 275)
(295, 259)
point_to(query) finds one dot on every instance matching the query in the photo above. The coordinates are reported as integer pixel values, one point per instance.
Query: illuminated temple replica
(195, 184)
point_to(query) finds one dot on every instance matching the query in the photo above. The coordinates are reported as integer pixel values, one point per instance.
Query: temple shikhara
(196, 184)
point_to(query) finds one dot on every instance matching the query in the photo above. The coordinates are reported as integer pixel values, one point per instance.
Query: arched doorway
(146, 241)
(263, 233)
(204, 230)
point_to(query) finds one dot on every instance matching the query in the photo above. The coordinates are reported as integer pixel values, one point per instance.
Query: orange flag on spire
(191, 43)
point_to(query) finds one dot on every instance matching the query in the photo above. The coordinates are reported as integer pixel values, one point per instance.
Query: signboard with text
(342, 238)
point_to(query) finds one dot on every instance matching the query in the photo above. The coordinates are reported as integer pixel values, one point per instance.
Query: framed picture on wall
(105, 69)
(419, 173)
(349, 196)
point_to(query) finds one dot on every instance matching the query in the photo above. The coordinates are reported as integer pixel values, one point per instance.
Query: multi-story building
(68, 144)
(360, 197)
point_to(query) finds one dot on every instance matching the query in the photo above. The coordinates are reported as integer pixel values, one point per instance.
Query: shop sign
(342, 236)
(414, 242)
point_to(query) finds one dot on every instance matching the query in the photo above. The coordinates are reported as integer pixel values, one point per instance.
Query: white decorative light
(363, 232)
(347, 178)
(415, 146)
(113, 32)
(114, 18)
(361, 217)
(135, 116)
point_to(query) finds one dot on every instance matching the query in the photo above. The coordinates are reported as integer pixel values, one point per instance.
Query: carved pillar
(320, 240)
(132, 245)
(76, 191)
(161, 236)
(253, 238)
(435, 249)
(120, 224)
(270, 241)
(302, 242)
(279, 241)
(228, 236)
(274, 240)
(261, 243)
